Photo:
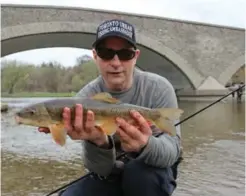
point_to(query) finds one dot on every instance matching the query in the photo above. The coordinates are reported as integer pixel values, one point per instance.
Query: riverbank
(186, 93)
(180, 93)
(205, 95)
(182, 96)
(37, 94)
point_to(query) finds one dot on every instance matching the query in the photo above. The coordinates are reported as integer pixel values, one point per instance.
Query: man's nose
(115, 62)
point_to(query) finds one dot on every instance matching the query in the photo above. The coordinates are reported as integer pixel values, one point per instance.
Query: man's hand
(79, 130)
(133, 138)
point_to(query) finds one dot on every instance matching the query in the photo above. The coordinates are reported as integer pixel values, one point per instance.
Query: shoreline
(208, 95)
(211, 99)
(37, 95)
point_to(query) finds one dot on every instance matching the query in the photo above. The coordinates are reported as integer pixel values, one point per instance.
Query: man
(147, 171)
(240, 91)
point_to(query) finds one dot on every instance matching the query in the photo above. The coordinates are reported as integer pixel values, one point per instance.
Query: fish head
(33, 115)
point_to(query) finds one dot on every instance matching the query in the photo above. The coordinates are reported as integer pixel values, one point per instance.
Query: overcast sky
(223, 12)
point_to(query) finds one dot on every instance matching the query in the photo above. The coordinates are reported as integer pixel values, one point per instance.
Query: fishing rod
(123, 154)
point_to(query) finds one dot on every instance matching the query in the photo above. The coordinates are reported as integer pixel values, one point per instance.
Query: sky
(221, 12)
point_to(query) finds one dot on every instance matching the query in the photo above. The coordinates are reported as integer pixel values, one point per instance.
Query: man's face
(117, 70)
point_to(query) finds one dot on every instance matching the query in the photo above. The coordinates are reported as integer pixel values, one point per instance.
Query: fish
(105, 107)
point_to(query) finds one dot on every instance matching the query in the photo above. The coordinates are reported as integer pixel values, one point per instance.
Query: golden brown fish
(105, 107)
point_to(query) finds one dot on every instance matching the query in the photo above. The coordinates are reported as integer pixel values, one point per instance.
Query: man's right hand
(79, 131)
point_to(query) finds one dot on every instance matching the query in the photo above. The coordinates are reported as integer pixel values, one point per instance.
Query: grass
(38, 94)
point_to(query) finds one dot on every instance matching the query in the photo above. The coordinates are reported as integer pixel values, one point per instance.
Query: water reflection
(213, 163)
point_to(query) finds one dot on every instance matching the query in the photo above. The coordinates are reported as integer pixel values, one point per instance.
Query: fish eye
(30, 111)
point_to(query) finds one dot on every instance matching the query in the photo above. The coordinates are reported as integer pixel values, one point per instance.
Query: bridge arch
(80, 35)
(230, 70)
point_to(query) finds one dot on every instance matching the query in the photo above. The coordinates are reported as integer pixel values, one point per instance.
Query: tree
(47, 77)
(11, 74)
(82, 59)
(89, 71)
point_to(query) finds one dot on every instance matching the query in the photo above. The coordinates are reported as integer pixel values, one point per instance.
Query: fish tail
(166, 120)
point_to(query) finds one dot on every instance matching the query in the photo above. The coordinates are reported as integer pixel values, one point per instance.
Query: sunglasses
(108, 54)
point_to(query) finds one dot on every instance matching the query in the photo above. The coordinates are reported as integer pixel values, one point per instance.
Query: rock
(4, 107)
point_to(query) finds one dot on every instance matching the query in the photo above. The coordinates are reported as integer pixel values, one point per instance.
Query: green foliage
(13, 74)
(21, 79)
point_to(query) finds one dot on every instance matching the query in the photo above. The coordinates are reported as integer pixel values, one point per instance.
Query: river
(213, 142)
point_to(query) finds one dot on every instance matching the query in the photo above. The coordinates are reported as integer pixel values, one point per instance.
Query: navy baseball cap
(115, 28)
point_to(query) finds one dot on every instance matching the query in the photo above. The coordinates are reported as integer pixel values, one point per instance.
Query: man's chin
(116, 82)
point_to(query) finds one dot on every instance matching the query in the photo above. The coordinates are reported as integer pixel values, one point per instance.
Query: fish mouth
(33, 122)
(23, 121)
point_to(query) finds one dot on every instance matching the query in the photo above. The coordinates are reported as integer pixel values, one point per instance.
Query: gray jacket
(148, 90)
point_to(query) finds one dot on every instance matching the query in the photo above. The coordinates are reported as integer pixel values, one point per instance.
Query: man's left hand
(133, 138)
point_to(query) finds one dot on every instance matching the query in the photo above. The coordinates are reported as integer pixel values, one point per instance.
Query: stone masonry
(208, 55)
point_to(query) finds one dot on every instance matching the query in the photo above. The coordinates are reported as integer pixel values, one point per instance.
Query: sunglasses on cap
(108, 53)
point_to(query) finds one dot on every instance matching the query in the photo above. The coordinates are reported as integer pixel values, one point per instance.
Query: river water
(213, 142)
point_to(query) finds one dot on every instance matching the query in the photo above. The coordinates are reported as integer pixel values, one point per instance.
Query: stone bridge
(191, 55)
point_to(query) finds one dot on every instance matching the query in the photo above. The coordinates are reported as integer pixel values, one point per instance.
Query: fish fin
(170, 113)
(106, 97)
(165, 122)
(108, 126)
(58, 133)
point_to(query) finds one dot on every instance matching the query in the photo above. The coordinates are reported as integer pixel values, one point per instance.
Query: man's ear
(94, 53)
(137, 54)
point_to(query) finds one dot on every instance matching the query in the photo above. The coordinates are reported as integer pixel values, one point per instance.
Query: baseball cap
(118, 28)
